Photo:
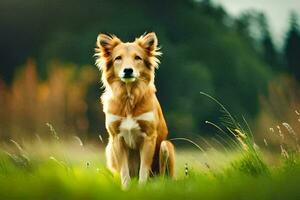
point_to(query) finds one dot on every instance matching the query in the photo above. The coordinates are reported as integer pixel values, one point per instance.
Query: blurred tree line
(204, 49)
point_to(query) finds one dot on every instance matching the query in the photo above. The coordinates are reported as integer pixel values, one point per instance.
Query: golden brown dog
(134, 120)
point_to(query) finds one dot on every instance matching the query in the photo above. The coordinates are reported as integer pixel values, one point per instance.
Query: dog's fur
(134, 120)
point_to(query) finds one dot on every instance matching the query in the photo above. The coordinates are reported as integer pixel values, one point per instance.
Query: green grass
(69, 169)
(66, 170)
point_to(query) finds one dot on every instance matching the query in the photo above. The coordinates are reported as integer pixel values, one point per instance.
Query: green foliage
(251, 161)
(251, 164)
(77, 171)
(203, 50)
(292, 47)
(49, 179)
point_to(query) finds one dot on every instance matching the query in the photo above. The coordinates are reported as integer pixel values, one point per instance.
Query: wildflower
(289, 128)
(278, 127)
(279, 132)
(244, 145)
(241, 137)
(240, 134)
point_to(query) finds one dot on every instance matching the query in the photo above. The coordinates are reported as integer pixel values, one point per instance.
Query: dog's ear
(106, 43)
(104, 46)
(148, 41)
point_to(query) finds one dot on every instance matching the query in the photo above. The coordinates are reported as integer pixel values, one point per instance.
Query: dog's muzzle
(127, 75)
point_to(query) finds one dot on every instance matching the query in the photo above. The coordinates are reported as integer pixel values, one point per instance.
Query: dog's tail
(166, 158)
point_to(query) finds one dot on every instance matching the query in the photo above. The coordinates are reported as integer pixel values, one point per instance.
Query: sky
(276, 11)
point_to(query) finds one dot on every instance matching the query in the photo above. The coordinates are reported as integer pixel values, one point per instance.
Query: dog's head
(128, 62)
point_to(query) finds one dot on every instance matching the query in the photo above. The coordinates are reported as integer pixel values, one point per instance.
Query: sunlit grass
(68, 168)
(76, 176)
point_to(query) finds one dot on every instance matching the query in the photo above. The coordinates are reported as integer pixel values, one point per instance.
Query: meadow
(52, 127)
(231, 166)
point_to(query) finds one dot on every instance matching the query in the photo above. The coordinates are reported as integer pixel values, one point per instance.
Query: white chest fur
(129, 127)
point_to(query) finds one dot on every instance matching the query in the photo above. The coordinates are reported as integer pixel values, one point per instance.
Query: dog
(137, 145)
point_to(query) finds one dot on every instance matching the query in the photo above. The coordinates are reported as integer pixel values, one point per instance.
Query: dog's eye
(137, 58)
(118, 58)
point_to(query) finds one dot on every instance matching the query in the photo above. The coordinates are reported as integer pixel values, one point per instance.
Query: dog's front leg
(124, 172)
(121, 153)
(146, 154)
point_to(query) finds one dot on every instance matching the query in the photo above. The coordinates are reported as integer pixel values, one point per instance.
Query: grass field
(233, 167)
(71, 170)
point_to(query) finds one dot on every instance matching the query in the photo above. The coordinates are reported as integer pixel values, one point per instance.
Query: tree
(268, 49)
(292, 47)
(203, 50)
(254, 24)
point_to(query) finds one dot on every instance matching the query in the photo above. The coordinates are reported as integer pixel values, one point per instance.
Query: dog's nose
(128, 71)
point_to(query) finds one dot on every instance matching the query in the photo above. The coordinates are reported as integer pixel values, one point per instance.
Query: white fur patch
(129, 123)
(129, 128)
(110, 118)
(130, 131)
(148, 116)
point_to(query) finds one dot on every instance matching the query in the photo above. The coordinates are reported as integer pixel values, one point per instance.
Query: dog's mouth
(128, 79)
